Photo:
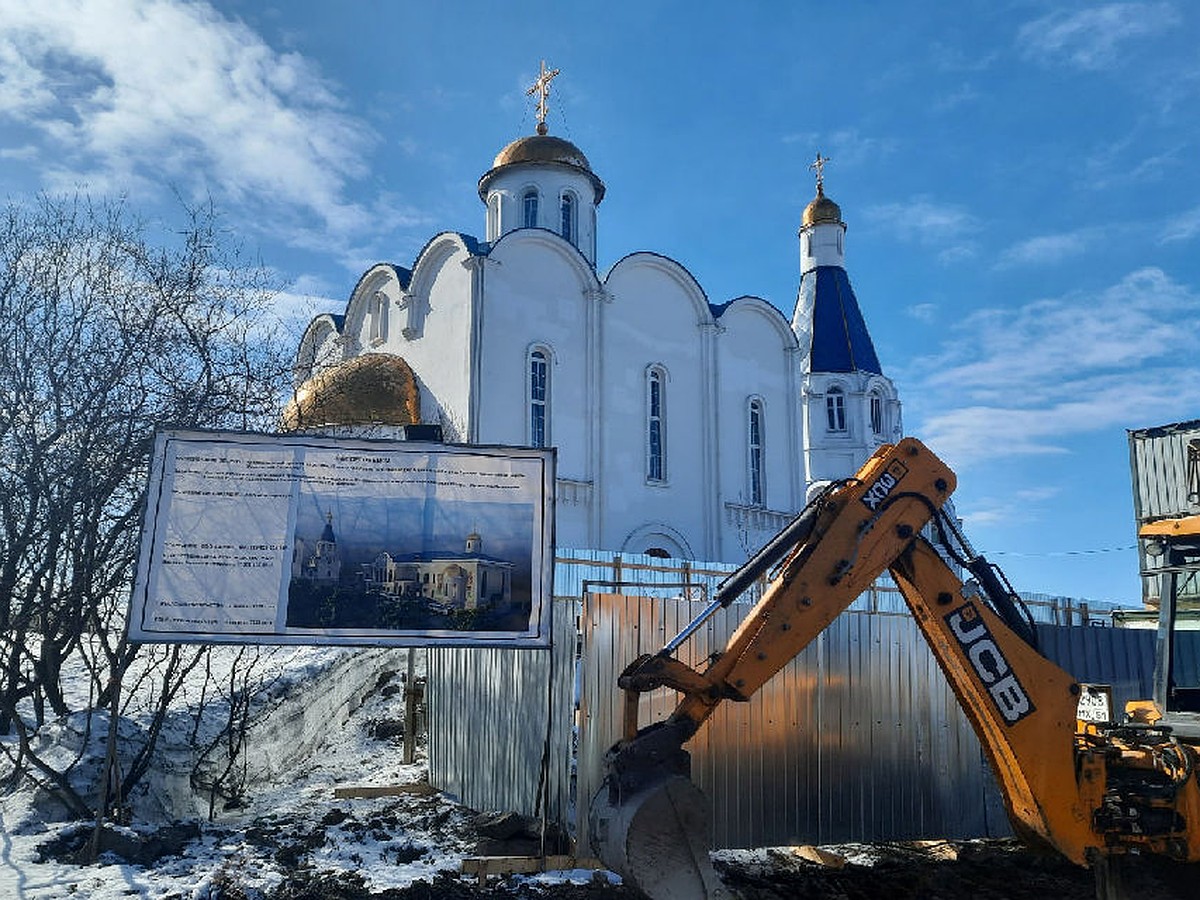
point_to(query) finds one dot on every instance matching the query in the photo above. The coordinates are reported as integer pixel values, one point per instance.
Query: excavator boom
(1089, 792)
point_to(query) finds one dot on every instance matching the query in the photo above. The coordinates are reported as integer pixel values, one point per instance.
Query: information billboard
(290, 539)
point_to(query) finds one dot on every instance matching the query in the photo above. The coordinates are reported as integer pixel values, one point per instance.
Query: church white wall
(550, 182)
(466, 323)
(657, 317)
(436, 313)
(833, 454)
(756, 358)
(320, 347)
(535, 293)
(822, 245)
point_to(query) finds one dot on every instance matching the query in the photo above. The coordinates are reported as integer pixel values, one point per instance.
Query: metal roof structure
(840, 340)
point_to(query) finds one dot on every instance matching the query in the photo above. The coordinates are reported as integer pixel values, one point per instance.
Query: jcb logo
(989, 663)
(884, 484)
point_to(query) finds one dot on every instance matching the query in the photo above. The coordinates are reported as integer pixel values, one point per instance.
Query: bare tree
(109, 334)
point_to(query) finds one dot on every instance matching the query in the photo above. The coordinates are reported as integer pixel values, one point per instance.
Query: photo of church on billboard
(449, 581)
(454, 587)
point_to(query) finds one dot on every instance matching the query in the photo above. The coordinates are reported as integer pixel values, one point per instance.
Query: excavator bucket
(657, 839)
(649, 823)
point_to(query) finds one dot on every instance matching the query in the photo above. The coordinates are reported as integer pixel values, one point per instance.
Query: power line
(1093, 552)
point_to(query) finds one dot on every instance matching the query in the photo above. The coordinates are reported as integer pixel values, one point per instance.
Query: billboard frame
(256, 491)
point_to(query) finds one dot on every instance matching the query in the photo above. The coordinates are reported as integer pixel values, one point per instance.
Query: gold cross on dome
(542, 88)
(818, 166)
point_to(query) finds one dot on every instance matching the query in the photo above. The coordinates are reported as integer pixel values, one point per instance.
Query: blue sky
(1019, 180)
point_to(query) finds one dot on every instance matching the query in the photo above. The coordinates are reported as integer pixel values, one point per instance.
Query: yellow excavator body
(1092, 792)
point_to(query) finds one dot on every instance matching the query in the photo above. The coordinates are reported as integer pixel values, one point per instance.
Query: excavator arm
(848, 537)
(1065, 786)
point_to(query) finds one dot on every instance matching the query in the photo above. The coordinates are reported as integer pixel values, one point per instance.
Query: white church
(683, 428)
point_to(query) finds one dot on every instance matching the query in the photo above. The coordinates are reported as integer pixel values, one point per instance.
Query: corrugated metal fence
(495, 715)
(859, 738)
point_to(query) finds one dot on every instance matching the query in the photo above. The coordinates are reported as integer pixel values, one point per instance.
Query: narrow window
(835, 409)
(876, 415)
(568, 217)
(494, 217)
(755, 444)
(538, 396)
(378, 317)
(530, 207)
(655, 469)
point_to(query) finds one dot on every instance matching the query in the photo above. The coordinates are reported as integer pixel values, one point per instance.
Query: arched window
(539, 398)
(567, 217)
(835, 409)
(377, 318)
(529, 209)
(494, 217)
(754, 444)
(656, 469)
(876, 414)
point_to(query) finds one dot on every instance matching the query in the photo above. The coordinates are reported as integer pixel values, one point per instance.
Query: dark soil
(984, 870)
(417, 826)
(975, 870)
(444, 887)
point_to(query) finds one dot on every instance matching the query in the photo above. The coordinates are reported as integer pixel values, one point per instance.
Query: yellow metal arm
(859, 530)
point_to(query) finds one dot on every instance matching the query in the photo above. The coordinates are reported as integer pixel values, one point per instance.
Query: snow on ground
(320, 733)
(286, 836)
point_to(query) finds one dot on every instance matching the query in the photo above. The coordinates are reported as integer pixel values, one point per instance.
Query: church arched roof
(840, 340)
(402, 275)
(552, 241)
(762, 307)
(672, 269)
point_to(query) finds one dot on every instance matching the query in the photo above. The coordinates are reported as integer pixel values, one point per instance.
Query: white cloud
(1028, 380)
(922, 312)
(1047, 248)
(1091, 37)
(1125, 161)
(950, 58)
(1008, 507)
(144, 93)
(957, 253)
(964, 93)
(929, 223)
(923, 219)
(1182, 227)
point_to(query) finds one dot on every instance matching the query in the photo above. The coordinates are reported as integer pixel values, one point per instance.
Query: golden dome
(542, 148)
(821, 211)
(377, 388)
